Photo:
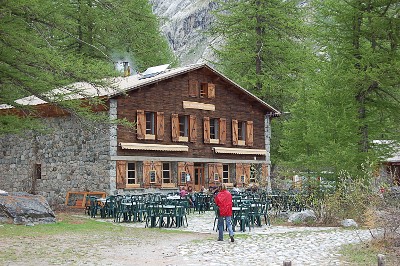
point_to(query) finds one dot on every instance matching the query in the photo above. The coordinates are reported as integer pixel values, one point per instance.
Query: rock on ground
(25, 208)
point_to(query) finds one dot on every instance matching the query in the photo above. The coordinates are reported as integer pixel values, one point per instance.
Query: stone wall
(70, 156)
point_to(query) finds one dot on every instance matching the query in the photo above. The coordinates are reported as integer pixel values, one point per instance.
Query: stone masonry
(70, 156)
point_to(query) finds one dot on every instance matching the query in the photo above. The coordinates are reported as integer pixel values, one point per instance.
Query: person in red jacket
(224, 202)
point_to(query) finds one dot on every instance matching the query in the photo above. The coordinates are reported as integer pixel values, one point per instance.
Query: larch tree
(51, 44)
(353, 91)
(263, 50)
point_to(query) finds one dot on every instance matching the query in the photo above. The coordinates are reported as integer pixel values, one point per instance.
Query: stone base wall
(70, 157)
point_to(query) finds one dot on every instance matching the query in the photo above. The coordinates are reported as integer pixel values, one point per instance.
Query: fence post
(287, 263)
(381, 260)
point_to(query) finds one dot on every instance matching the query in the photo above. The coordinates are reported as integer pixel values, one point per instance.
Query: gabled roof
(122, 85)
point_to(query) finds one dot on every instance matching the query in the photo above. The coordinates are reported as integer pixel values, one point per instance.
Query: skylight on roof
(154, 71)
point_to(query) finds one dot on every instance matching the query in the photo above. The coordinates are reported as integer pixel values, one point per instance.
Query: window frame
(242, 130)
(225, 173)
(150, 123)
(128, 171)
(214, 128)
(183, 122)
(203, 90)
(38, 171)
(166, 171)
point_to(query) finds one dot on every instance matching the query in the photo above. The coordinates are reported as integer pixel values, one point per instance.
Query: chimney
(127, 69)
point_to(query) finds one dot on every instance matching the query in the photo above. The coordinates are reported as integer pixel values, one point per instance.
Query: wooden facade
(194, 127)
(198, 110)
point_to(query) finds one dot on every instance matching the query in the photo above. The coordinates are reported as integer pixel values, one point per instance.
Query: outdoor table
(175, 197)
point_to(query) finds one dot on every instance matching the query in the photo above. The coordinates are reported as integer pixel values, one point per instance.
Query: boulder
(349, 223)
(25, 208)
(302, 217)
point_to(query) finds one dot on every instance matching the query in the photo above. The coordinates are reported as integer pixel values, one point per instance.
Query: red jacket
(224, 202)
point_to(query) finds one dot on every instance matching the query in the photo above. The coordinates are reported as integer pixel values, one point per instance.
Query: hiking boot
(232, 239)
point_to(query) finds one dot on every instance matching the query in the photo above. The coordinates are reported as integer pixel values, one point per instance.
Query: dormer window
(205, 90)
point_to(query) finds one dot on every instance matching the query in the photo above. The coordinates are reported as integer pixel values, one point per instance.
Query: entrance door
(198, 176)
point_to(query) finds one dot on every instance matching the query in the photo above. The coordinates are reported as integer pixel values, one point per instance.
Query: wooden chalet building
(195, 127)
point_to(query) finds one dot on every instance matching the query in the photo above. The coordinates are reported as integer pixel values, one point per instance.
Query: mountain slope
(184, 23)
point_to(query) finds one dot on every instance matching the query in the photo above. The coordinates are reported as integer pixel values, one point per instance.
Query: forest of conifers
(331, 67)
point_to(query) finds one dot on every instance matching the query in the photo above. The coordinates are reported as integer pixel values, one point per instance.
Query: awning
(153, 147)
(239, 151)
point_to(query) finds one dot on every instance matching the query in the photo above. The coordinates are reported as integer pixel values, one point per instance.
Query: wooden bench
(77, 199)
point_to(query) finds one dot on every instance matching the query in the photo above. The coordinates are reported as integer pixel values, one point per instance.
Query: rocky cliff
(184, 23)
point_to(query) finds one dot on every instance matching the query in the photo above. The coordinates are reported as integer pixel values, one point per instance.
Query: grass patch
(69, 225)
(366, 254)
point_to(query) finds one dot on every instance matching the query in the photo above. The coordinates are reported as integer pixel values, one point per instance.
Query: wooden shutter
(158, 168)
(175, 127)
(140, 124)
(146, 173)
(210, 90)
(219, 168)
(242, 169)
(264, 171)
(160, 125)
(206, 129)
(193, 88)
(235, 132)
(211, 170)
(222, 130)
(181, 168)
(121, 174)
(190, 169)
(192, 128)
(249, 133)
(246, 167)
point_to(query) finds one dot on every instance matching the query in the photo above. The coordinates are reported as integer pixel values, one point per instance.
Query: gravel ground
(192, 245)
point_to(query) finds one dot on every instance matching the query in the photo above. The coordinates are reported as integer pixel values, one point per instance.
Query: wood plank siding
(202, 86)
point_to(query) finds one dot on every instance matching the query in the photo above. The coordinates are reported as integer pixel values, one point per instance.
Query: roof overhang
(153, 147)
(239, 151)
